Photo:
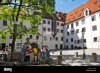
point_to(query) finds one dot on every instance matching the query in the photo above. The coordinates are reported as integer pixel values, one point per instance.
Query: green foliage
(31, 11)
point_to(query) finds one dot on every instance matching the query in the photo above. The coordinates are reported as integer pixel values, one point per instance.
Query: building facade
(84, 18)
(44, 39)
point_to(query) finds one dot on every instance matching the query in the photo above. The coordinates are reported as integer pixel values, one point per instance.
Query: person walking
(23, 53)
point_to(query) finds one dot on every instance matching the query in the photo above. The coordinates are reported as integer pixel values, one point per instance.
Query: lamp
(84, 55)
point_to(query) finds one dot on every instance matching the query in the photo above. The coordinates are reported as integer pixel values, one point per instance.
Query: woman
(39, 56)
(35, 50)
(5, 52)
(27, 54)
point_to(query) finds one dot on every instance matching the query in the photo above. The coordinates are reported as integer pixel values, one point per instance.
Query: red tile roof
(92, 5)
(61, 16)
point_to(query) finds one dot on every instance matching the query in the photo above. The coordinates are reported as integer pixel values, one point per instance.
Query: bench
(16, 56)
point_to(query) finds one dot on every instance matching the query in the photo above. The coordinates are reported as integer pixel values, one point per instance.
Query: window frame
(94, 28)
(93, 18)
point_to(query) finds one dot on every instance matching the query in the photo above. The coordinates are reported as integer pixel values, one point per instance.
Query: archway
(33, 45)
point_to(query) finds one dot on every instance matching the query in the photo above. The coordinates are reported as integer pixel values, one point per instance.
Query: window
(95, 39)
(37, 37)
(98, 6)
(71, 39)
(48, 21)
(57, 30)
(71, 46)
(83, 29)
(30, 36)
(84, 40)
(44, 21)
(62, 24)
(67, 33)
(45, 38)
(77, 30)
(95, 2)
(72, 32)
(51, 38)
(44, 29)
(56, 46)
(72, 25)
(93, 18)
(86, 12)
(67, 26)
(49, 29)
(94, 27)
(66, 40)
(61, 38)
(4, 23)
(56, 38)
(61, 31)
(83, 21)
(75, 41)
(78, 41)
(57, 23)
(77, 23)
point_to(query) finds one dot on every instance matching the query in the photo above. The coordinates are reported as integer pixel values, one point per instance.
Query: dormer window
(95, 2)
(98, 6)
(86, 12)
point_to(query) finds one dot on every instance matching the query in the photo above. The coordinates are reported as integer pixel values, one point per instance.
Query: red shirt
(27, 51)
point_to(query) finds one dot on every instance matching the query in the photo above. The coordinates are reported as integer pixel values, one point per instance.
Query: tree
(16, 11)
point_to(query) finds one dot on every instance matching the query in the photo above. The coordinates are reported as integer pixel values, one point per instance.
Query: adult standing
(27, 54)
(35, 51)
(23, 53)
(43, 51)
(5, 52)
(39, 58)
(47, 54)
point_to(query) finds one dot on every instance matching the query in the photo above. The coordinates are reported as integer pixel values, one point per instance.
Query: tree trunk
(14, 39)
(15, 29)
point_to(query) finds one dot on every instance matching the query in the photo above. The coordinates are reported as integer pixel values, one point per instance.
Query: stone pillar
(59, 59)
(76, 54)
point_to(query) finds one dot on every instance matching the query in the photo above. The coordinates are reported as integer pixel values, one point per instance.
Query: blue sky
(68, 5)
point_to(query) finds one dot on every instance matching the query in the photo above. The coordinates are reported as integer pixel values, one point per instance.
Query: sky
(66, 6)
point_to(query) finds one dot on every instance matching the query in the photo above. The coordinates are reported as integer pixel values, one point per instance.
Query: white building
(45, 29)
(86, 17)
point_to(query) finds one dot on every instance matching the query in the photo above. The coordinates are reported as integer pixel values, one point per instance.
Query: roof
(59, 16)
(92, 5)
